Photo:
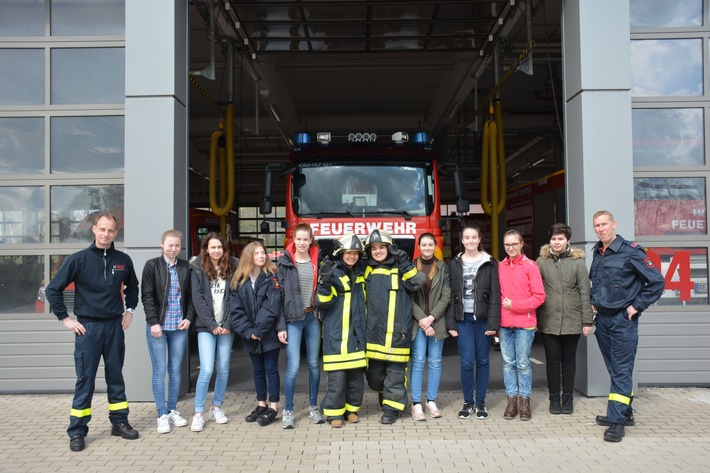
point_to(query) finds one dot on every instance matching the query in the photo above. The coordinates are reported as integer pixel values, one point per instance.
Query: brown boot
(525, 413)
(512, 410)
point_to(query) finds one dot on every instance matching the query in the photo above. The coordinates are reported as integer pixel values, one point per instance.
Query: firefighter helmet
(378, 236)
(347, 242)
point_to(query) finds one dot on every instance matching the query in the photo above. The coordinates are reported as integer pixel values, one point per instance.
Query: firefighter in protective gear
(625, 282)
(341, 297)
(390, 281)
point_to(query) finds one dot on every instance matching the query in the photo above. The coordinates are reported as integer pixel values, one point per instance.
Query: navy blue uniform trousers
(102, 339)
(618, 340)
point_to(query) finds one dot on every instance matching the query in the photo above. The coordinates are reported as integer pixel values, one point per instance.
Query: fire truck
(361, 184)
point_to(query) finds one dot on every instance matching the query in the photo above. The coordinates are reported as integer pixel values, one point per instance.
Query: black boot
(555, 407)
(567, 399)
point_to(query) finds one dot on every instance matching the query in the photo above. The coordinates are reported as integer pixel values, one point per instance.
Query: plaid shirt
(173, 312)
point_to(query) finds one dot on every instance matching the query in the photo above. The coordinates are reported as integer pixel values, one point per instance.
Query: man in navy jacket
(102, 276)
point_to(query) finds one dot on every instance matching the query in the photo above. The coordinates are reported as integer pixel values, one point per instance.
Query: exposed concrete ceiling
(379, 66)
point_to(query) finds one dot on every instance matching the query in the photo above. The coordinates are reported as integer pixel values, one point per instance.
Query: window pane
(668, 137)
(20, 278)
(686, 274)
(22, 76)
(670, 206)
(87, 144)
(22, 18)
(94, 75)
(665, 13)
(21, 215)
(88, 17)
(73, 209)
(21, 145)
(666, 67)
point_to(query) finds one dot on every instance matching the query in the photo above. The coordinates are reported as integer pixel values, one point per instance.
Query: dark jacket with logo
(155, 286)
(102, 277)
(255, 311)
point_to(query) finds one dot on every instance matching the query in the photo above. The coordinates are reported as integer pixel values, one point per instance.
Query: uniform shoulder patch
(648, 262)
(275, 282)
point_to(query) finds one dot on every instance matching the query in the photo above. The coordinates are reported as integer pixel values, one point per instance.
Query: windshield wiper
(334, 213)
(407, 215)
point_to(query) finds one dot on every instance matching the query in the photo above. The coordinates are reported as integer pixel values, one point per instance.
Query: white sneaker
(163, 424)
(176, 419)
(433, 409)
(418, 412)
(198, 423)
(287, 420)
(217, 415)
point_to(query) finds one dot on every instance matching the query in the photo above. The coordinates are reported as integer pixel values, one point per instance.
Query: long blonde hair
(246, 265)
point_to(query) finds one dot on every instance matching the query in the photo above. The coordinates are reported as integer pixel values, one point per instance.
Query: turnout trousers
(102, 339)
(388, 378)
(344, 395)
(618, 340)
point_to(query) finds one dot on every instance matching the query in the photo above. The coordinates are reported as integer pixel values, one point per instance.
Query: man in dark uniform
(101, 276)
(625, 282)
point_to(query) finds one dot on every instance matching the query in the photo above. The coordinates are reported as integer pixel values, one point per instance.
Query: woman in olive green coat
(565, 314)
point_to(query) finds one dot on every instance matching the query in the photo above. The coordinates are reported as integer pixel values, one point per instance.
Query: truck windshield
(362, 190)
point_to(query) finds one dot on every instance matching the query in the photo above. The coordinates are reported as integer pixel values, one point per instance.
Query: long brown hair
(224, 264)
(432, 270)
(246, 265)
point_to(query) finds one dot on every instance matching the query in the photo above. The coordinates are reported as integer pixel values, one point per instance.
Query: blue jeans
(515, 346)
(210, 345)
(474, 349)
(421, 346)
(294, 331)
(266, 366)
(170, 346)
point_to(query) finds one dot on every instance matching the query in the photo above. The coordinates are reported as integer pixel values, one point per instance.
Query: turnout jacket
(439, 297)
(202, 298)
(342, 303)
(566, 308)
(155, 286)
(255, 311)
(622, 276)
(486, 293)
(287, 272)
(520, 282)
(101, 277)
(388, 288)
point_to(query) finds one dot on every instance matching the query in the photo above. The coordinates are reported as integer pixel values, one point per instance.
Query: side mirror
(265, 207)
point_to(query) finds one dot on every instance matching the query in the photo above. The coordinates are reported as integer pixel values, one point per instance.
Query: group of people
(370, 316)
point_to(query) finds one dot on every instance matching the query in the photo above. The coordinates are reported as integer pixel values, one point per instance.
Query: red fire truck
(362, 184)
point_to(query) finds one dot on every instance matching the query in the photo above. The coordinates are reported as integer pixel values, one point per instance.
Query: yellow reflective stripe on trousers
(351, 408)
(81, 412)
(397, 405)
(357, 355)
(384, 349)
(118, 406)
(619, 398)
(334, 412)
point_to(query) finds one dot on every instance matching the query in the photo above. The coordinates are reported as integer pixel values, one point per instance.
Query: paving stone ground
(672, 434)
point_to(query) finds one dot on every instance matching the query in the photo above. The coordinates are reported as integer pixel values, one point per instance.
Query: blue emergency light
(421, 138)
(303, 138)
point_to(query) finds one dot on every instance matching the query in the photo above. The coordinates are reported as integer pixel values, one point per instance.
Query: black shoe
(466, 411)
(124, 429)
(389, 417)
(567, 403)
(253, 415)
(266, 417)
(76, 444)
(614, 433)
(604, 420)
(555, 407)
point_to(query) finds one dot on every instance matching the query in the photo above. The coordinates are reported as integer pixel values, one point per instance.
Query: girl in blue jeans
(297, 271)
(429, 310)
(210, 294)
(167, 301)
(473, 318)
(521, 292)
(255, 307)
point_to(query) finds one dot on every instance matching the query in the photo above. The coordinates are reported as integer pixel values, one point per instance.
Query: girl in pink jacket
(521, 292)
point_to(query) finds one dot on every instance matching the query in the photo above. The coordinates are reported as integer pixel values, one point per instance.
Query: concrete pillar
(156, 187)
(599, 161)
